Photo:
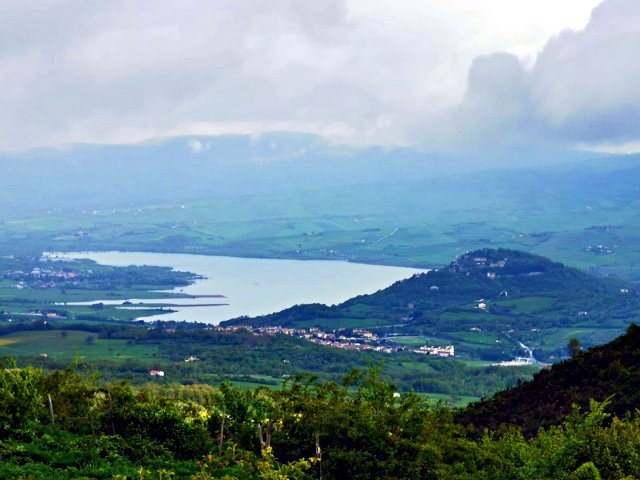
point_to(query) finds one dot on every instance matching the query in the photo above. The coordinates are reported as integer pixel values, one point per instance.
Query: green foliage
(21, 404)
(586, 471)
(358, 428)
(574, 347)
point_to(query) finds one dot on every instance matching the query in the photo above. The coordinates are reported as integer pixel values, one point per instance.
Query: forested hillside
(611, 372)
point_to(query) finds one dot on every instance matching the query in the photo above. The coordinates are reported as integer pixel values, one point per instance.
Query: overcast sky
(439, 73)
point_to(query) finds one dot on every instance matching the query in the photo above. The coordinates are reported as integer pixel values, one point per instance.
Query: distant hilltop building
(156, 373)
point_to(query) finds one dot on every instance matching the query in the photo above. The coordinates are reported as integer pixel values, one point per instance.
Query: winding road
(386, 236)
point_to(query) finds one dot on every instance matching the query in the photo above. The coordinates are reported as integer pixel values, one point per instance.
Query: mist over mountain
(228, 165)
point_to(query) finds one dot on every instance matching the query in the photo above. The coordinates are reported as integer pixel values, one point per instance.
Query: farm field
(570, 217)
(63, 345)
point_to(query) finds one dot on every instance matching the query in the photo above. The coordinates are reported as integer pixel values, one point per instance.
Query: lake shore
(251, 287)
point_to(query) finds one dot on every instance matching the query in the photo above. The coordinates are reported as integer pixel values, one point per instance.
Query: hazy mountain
(204, 167)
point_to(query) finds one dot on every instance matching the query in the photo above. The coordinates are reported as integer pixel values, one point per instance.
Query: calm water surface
(252, 286)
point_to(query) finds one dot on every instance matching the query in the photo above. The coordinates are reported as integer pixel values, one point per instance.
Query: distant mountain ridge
(208, 166)
(198, 167)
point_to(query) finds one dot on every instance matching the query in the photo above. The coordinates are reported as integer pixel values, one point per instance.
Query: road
(386, 236)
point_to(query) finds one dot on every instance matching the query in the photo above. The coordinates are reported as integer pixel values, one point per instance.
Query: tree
(587, 471)
(574, 347)
(20, 402)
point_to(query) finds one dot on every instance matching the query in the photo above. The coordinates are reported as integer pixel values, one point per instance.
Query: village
(349, 339)
(41, 278)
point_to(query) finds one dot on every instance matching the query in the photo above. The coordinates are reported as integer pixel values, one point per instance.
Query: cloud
(584, 84)
(496, 106)
(358, 71)
(196, 146)
(120, 69)
(581, 89)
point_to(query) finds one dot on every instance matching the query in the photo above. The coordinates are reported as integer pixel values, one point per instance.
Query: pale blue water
(252, 286)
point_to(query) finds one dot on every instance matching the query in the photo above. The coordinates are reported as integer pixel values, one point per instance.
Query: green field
(256, 381)
(409, 223)
(561, 336)
(526, 305)
(410, 341)
(72, 345)
(453, 400)
(480, 338)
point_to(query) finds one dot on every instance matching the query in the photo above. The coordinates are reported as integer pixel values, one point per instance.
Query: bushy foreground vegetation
(66, 424)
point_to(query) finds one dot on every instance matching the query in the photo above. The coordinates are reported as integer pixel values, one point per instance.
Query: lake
(252, 286)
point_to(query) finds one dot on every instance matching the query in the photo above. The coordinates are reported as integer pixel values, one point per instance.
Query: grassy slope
(70, 345)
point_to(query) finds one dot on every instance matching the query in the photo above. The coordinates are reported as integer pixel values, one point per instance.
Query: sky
(442, 74)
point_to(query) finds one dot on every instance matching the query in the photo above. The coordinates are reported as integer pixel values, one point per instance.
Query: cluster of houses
(40, 278)
(600, 249)
(347, 339)
(462, 264)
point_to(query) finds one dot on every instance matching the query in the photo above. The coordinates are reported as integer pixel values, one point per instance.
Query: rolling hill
(485, 303)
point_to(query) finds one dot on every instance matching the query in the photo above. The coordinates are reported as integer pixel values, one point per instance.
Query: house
(156, 373)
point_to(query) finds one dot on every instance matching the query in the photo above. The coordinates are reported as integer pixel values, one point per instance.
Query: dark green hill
(485, 303)
(612, 370)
